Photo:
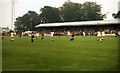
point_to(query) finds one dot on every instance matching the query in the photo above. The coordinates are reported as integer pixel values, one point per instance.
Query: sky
(23, 6)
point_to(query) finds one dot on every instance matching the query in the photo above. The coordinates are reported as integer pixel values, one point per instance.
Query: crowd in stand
(78, 32)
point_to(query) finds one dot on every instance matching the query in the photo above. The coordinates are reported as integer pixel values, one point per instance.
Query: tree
(18, 24)
(79, 12)
(92, 11)
(27, 21)
(71, 11)
(50, 14)
(117, 15)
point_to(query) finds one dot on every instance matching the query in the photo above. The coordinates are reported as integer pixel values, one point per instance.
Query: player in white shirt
(99, 36)
(83, 33)
(103, 35)
(37, 35)
(51, 36)
(68, 33)
(12, 36)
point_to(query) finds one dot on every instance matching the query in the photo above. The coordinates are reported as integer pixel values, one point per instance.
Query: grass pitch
(83, 54)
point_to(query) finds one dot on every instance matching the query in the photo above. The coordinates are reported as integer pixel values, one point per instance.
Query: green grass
(84, 54)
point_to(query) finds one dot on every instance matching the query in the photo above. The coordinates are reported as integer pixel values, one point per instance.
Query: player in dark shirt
(73, 36)
(20, 34)
(32, 37)
(3, 34)
(42, 37)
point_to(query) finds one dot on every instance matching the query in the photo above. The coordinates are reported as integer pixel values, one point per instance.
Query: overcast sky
(23, 6)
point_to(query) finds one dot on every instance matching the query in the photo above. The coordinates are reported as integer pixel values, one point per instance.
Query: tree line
(116, 15)
(68, 12)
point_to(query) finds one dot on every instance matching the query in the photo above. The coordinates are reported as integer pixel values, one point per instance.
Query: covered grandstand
(82, 23)
(89, 27)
